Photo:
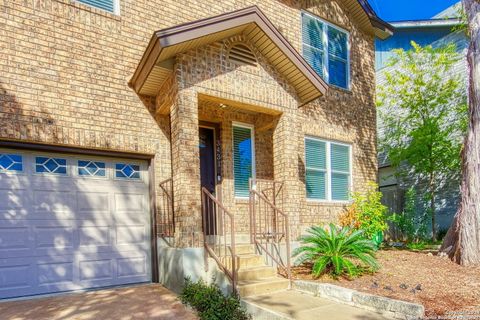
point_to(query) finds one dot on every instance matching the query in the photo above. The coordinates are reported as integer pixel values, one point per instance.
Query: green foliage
(366, 212)
(463, 25)
(423, 114)
(412, 226)
(335, 251)
(421, 245)
(432, 108)
(210, 303)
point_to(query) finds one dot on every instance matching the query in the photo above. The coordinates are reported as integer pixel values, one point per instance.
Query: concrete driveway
(150, 301)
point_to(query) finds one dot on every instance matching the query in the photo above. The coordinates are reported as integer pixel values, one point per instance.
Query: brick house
(127, 157)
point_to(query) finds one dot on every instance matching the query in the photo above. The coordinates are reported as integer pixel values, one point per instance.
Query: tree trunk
(462, 242)
(432, 206)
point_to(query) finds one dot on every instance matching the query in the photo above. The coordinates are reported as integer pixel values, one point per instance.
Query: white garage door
(71, 222)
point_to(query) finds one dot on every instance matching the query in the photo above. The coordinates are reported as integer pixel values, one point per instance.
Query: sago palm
(336, 250)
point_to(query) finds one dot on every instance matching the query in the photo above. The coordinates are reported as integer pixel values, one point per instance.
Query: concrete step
(245, 249)
(239, 249)
(256, 273)
(247, 288)
(246, 261)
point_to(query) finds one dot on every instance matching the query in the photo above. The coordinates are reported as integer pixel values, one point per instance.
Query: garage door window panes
(11, 162)
(91, 168)
(127, 171)
(51, 165)
(67, 224)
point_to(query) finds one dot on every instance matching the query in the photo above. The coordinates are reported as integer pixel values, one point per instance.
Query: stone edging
(388, 307)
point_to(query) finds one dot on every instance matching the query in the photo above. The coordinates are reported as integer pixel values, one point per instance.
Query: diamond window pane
(11, 162)
(127, 171)
(135, 175)
(61, 170)
(15, 157)
(83, 172)
(51, 165)
(91, 168)
(17, 166)
(40, 169)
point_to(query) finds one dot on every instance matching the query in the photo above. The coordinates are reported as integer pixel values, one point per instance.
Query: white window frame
(328, 169)
(116, 7)
(252, 134)
(325, 45)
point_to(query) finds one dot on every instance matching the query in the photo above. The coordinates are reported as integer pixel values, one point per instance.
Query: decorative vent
(240, 53)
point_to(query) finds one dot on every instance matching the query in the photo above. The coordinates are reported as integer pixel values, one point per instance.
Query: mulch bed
(435, 282)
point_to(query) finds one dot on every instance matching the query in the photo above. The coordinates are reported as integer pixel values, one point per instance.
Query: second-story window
(107, 5)
(325, 47)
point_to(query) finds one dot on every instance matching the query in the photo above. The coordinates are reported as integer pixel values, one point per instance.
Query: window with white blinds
(243, 158)
(327, 170)
(325, 47)
(107, 5)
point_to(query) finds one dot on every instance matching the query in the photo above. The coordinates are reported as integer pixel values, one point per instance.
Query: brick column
(186, 170)
(286, 139)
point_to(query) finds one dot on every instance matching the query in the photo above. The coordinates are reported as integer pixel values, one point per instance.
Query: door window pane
(242, 160)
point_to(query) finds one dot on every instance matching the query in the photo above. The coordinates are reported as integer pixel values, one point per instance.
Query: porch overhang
(157, 61)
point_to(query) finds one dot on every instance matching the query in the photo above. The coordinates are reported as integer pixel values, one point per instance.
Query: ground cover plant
(211, 303)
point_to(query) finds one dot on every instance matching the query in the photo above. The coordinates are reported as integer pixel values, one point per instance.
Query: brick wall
(64, 70)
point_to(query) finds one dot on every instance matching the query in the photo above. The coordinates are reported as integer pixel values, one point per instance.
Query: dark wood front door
(207, 175)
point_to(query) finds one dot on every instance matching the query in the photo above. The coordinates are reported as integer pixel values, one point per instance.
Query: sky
(398, 10)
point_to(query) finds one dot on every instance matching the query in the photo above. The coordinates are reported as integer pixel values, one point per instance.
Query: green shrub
(211, 303)
(421, 245)
(366, 212)
(335, 251)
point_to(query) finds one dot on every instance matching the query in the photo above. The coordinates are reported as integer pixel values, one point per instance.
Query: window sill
(325, 203)
(242, 200)
(343, 90)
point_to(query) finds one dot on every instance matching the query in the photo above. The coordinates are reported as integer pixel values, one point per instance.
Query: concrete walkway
(150, 301)
(302, 306)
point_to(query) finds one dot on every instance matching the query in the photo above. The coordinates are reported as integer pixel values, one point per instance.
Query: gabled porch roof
(157, 64)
